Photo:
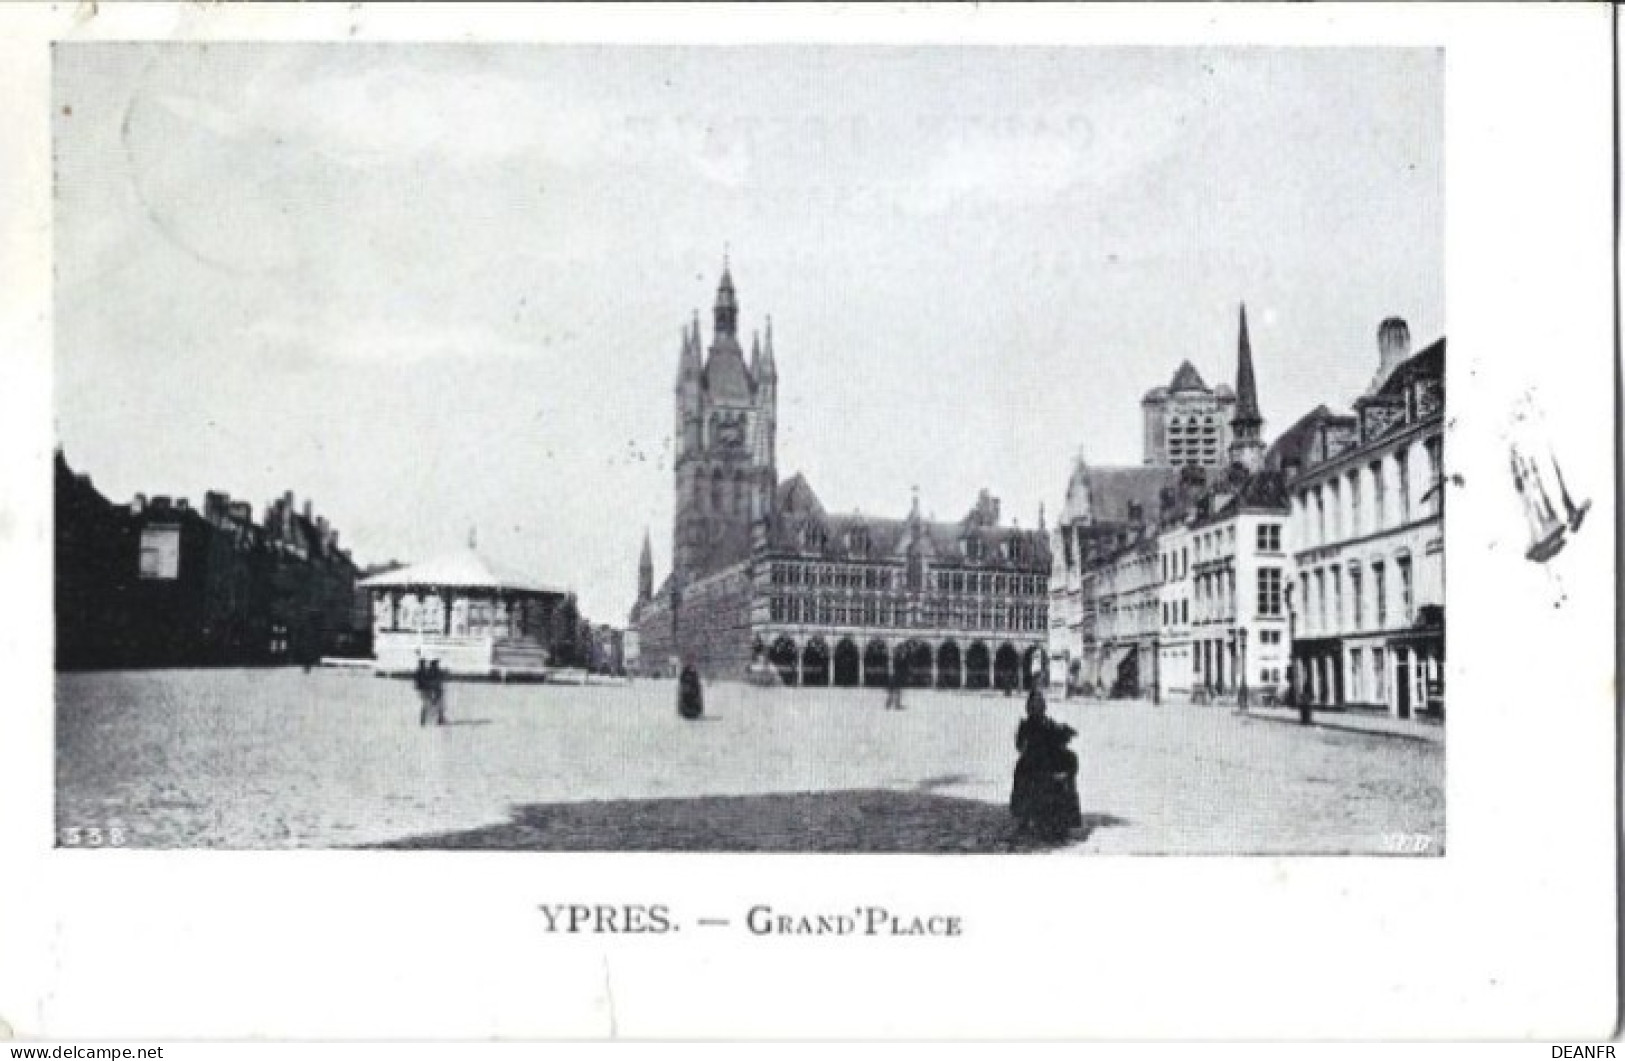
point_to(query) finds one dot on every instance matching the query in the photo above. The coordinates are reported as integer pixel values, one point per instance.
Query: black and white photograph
(554, 456)
(929, 450)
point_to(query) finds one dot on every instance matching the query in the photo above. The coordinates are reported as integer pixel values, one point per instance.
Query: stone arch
(847, 667)
(876, 664)
(815, 662)
(950, 670)
(915, 658)
(978, 667)
(784, 657)
(1007, 667)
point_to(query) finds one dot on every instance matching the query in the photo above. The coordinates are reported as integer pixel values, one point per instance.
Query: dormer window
(857, 541)
(974, 549)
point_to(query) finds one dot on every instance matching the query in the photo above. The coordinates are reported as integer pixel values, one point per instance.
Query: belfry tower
(727, 415)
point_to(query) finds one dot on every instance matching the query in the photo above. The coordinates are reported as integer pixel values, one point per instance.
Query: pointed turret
(688, 361)
(726, 312)
(686, 430)
(1247, 426)
(755, 355)
(769, 369)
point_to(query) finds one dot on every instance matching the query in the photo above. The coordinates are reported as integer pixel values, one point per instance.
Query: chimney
(183, 504)
(160, 501)
(138, 504)
(1393, 346)
(307, 508)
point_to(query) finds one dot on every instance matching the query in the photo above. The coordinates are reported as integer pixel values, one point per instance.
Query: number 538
(92, 836)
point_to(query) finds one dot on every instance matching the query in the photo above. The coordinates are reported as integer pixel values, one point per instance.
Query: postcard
(809, 522)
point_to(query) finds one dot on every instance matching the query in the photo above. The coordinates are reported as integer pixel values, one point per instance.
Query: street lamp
(1241, 690)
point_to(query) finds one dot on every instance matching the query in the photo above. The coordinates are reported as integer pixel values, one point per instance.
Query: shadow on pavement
(865, 820)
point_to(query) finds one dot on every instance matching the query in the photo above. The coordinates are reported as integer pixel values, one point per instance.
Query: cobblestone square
(332, 758)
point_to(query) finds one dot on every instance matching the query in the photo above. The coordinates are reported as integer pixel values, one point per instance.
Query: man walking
(420, 682)
(437, 692)
(894, 689)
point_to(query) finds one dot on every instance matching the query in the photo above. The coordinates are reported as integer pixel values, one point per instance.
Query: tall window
(1379, 672)
(1402, 469)
(1434, 447)
(1269, 537)
(1354, 504)
(1320, 516)
(1337, 598)
(1356, 673)
(1403, 566)
(1269, 591)
(1320, 600)
(1378, 493)
(1379, 588)
(1354, 596)
(1303, 597)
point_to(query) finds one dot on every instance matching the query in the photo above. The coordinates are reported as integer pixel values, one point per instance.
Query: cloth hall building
(767, 583)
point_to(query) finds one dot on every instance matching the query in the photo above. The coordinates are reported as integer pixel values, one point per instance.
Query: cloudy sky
(440, 287)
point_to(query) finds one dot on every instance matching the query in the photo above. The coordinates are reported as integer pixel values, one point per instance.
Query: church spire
(1246, 386)
(646, 571)
(1247, 425)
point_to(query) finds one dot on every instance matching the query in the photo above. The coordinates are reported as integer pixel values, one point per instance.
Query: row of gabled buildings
(158, 582)
(1310, 568)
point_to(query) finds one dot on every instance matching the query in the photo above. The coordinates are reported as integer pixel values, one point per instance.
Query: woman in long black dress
(1044, 796)
(690, 698)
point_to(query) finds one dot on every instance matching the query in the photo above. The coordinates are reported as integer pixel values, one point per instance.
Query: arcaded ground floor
(283, 758)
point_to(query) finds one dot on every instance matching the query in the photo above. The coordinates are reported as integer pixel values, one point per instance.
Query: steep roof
(1293, 445)
(1104, 494)
(796, 495)
(888, 535)
(726, 376)
(1426, 364)
(1264, 489)
(1186, 378)
(466, 569)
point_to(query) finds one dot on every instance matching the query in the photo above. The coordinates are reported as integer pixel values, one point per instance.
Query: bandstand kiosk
(477, 622)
